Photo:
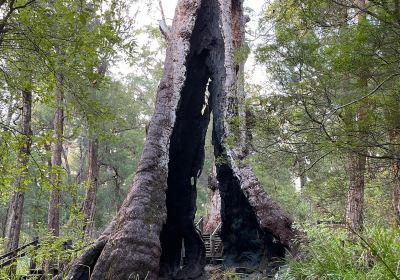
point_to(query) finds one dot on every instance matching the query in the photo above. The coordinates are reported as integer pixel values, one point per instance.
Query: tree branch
(164, 28)
(365, 96)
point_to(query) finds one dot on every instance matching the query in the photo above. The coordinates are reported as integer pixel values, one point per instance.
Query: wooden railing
(200, 224)
(331, 223)
(212, 239)
(20, 252)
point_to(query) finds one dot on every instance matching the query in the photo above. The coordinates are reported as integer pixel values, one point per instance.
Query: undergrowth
(329, 253)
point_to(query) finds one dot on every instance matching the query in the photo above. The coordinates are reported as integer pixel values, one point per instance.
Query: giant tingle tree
(145, 238)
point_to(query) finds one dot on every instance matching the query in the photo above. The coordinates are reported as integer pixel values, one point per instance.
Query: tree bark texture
(251, 220)
(145, 238)
(131, 246)
(89, 204)
(355, 200)
(53, 218)
(357, 159)
(14, 219)
(396, 191)
(213, 217)
(394, 139)
(396, 195)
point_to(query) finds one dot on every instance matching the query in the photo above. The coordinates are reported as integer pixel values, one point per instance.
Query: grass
(330, 254)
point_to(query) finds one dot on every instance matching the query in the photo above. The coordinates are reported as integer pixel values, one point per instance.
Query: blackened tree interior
(245, 244)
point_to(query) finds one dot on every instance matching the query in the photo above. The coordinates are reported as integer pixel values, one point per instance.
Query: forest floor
(217, 272)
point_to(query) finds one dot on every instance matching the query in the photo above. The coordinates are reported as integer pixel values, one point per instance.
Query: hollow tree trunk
(53, 218)
(89, 204)
(14, 219)
(251, 220)
(131, 245)
(145, 238)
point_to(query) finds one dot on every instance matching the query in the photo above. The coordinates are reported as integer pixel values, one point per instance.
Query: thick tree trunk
(89, 204)
(145, 239)
(14, 219)
(251, 220)
(355, 200)
(131, 246)
(53, 218)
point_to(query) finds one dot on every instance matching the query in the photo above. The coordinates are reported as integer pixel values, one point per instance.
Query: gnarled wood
(145, 238)
(133, 246)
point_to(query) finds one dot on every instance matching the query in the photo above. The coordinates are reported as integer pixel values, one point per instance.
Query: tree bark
(357, 159)
(354, 211)
(145, 238)
(14, 219)
(4, 214)
(396, 194)
(131, 246)
(394, 139)
(53, 218)
(80, 176)
(213, 217)
(251, 220)
(89, 204)
(300, 168)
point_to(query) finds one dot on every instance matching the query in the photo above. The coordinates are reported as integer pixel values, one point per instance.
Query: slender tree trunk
(117, 190)
(213, 218)
(53, 219)
(394, 139)
(14, 219)
(357, 159)
(80, 177)
(354, 211)
(67, 167)
(10, 111)
(396, 192)
(300, 168)
(89, 204)
(4, 214)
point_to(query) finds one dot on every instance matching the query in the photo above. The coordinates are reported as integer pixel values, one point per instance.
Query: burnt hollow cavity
(245, 243)
(185, 164)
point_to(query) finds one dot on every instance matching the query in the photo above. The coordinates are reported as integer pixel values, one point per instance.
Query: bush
(330, 254)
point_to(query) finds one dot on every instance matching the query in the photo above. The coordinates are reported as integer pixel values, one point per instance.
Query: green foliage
(334, 71)
(329, 254)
